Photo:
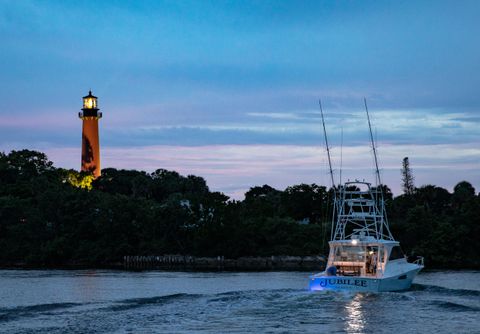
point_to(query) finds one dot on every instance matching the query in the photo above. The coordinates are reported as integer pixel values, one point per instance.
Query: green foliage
(407, 178)
(47, 218)
(80, 180)
(442, 227)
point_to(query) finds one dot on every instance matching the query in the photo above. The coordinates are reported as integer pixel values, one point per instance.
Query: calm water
(90, 301)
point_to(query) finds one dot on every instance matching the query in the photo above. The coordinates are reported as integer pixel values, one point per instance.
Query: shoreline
(203, 264)
(188, 263)
(211, 267)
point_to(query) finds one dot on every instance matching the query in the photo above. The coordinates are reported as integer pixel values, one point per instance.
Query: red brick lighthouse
(90, 141)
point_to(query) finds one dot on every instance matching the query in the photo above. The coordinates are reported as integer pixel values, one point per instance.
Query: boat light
(354, 242)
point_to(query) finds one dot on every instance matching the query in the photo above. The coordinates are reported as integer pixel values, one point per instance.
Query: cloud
(233, 169)
(282, 116)
(127, 128)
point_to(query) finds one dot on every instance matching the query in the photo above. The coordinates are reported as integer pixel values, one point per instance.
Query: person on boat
(371, 262)
(374, 263)
(332, 271)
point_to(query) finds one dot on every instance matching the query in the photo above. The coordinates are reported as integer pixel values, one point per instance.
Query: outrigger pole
(384, 221)
(330, 167)
(377, 171)
(326, 144)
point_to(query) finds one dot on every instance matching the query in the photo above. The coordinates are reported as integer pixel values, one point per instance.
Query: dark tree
(48, 220)
(407, 178)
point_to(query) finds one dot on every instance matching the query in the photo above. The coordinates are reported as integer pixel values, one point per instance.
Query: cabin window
(350, 254)
(381, 255)
(396, 253)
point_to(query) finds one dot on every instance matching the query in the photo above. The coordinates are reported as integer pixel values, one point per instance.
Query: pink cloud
(233, 169)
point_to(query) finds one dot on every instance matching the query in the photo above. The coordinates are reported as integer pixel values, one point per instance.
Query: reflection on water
(87, 285)
(355, 316)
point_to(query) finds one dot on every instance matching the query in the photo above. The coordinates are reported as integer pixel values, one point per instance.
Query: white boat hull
(399, 282)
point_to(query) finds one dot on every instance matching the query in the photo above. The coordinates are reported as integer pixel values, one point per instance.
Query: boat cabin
(363, 258)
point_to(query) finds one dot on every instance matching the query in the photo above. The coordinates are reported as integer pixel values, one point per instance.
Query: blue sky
(228, 89)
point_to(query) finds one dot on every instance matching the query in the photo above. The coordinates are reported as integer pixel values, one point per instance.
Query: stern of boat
(321, 282)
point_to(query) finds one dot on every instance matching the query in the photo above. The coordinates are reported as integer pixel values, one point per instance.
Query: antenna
(326, 144)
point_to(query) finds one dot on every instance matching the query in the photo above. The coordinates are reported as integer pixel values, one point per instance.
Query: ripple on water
(424, 308)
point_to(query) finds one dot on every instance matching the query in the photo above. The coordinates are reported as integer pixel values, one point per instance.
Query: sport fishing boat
(363, 255)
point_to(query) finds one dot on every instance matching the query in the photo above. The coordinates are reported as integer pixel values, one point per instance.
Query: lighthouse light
(89, 103)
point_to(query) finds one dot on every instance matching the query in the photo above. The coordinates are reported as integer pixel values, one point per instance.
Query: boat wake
(441, 290)
(238, 311)
(9, 314)
(450, 306)
(128, 304)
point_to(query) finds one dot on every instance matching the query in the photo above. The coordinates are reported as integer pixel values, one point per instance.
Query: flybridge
(360, 212)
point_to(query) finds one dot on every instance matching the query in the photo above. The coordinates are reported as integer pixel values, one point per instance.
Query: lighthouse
(90, 141)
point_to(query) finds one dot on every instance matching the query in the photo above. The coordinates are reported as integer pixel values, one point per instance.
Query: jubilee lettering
(332, 281)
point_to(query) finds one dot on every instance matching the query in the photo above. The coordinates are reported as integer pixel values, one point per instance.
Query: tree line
(52, 217)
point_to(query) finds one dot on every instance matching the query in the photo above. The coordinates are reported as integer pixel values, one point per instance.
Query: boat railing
(419, 261)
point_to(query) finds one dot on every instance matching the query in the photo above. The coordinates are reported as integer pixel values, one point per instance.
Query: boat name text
(340, 281)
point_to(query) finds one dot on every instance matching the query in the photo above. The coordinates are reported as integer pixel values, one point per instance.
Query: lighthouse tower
(90, 142)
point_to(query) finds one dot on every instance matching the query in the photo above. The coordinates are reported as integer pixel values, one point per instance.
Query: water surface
(90, 301)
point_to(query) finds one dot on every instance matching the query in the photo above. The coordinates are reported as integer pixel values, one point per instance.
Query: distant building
(90, 141)
(304, 221)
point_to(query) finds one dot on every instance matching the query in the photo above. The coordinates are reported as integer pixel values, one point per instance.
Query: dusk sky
(228, 90)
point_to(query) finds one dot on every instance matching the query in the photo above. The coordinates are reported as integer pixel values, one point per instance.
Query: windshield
(350, 253)
(356, 260)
